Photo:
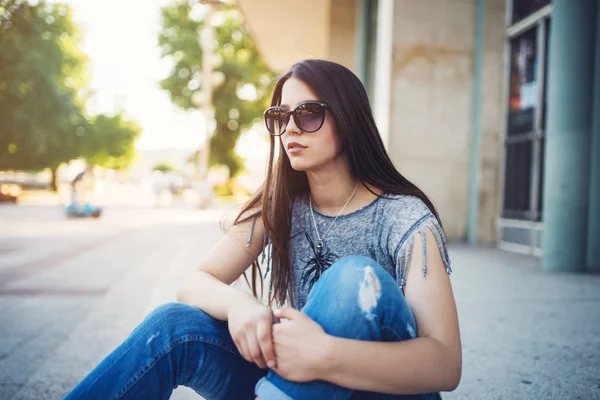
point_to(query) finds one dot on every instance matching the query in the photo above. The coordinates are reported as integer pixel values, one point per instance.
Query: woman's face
(308, 151)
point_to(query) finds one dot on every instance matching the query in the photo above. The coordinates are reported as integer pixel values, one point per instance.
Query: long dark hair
(347, 99)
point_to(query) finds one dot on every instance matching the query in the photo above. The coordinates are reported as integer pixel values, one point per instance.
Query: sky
(121, 39)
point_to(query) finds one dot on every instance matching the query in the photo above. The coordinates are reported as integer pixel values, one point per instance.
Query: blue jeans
(178, 344)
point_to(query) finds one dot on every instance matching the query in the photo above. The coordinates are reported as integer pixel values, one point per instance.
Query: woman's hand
(301, 346)
(250, 325)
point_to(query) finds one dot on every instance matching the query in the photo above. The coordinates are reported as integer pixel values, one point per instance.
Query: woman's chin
(299, 165)
(299, 168)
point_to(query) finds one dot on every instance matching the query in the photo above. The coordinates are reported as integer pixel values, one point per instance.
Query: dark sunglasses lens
(276, 120)
(309, 117)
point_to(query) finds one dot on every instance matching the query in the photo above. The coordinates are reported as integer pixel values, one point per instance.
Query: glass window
(546, 63)
(540, 206)
(517, 180)
(523, 83)
(523, 8)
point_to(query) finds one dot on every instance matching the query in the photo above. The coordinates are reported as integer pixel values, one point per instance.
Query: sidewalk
(527, 334)
(64, 337)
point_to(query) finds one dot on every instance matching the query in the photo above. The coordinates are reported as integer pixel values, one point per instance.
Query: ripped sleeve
(406, 247)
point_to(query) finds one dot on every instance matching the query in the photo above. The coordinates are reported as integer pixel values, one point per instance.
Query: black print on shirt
(315, 267)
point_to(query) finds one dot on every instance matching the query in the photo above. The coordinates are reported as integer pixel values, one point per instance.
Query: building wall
(342, 36)
(430, 124)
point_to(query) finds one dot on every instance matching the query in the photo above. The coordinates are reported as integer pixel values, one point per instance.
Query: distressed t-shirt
(383, 230)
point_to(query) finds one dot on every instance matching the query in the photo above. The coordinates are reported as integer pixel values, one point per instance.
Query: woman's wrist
(238, 297)
(327, 362)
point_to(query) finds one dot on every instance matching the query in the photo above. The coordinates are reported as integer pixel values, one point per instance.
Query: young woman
(354, 249)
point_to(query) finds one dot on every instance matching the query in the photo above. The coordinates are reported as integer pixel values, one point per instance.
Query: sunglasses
(308, 117)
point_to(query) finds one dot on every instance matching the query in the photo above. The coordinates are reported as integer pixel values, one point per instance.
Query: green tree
(242, 81)
(110, 142)
(42, 79)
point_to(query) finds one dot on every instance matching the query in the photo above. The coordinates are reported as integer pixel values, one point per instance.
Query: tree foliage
(43, 88)
(110, 142)
(242, 81)
(43, 76)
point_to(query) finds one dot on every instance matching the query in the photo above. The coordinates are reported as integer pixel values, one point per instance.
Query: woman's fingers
(254, 349)
(242, 345)
(251, 333)
(265, 341)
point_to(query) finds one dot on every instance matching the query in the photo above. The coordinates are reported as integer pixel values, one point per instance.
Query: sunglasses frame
(291, 114)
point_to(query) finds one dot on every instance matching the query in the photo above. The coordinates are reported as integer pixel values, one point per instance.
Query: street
(71, 290)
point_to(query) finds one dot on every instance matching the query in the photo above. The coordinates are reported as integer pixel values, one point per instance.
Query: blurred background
(130, 129)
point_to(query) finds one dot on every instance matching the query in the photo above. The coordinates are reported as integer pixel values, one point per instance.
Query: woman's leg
(176, 344)
(355, 299)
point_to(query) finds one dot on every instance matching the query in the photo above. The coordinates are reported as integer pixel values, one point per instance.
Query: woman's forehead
(294, 92)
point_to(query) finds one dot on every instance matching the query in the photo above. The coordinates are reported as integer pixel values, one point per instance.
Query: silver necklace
(312, 214)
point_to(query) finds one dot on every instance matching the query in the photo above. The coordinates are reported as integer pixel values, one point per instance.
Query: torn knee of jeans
(369, 291)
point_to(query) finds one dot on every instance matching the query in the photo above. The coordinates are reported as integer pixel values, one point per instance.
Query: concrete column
(381, 104)
(569, 119)
(593, 246)
(475, 156)
(492, 122)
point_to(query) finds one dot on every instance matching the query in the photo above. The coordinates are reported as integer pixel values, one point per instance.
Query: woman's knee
(172, 312)
(350, 282)
(352, 272)
(356, 297)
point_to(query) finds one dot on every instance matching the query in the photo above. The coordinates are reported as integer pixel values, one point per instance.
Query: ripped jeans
(178, 344)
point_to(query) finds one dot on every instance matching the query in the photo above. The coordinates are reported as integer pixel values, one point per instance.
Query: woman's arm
(431, 362)
(208, 288)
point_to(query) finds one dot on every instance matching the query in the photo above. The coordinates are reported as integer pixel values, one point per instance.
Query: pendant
(319, 247)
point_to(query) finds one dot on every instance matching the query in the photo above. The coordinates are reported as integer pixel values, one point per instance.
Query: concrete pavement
(80, 294)
(70, 291)
(527, 334)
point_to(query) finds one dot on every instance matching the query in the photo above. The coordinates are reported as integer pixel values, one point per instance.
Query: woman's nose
(292, 127)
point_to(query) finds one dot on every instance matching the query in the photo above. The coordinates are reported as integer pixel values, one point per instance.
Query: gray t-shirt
(383, 230)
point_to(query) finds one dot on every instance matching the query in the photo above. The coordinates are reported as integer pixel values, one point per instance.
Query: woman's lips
(295, 147)
(296, 150)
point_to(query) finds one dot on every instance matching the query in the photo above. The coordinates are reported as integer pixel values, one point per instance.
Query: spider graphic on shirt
(315, 266)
